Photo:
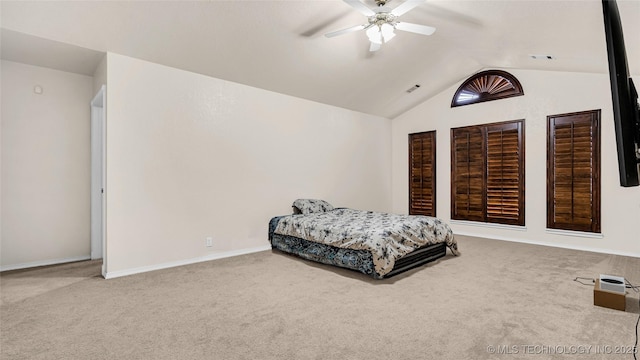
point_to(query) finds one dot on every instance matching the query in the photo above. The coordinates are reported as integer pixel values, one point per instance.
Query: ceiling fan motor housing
(382, 18)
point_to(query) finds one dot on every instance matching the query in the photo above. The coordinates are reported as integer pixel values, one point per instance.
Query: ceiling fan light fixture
(387, 32)
(375, 35)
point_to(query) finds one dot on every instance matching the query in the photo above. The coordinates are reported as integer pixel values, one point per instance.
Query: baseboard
(216, 256)
(43, 263)
(562, 246)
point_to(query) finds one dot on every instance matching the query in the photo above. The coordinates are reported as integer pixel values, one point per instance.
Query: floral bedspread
(387, 236)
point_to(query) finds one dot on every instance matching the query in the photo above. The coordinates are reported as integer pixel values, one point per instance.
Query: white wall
(190, 156)
(45, 166)
(546, 93)
(100, 75)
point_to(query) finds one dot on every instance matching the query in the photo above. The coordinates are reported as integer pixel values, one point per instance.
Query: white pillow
(309, 206)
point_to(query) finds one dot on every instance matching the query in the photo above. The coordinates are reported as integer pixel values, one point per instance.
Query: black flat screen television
(626, 112)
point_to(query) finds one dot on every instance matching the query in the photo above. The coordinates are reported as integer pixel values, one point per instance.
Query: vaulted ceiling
(279, 45)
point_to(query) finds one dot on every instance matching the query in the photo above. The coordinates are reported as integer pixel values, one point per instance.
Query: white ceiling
(279, 45)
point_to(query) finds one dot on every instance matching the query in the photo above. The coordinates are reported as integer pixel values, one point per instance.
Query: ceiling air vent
(413, 88)
(542, 57)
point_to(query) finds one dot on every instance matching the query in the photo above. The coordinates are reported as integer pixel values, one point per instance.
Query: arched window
(486, 86)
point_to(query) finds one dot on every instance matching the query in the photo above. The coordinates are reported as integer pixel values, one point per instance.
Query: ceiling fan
(383, 21)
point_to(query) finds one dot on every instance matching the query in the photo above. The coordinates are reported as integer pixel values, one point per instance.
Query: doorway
(98, 122)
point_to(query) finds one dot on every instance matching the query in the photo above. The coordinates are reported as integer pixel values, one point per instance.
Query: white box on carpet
(612, 283)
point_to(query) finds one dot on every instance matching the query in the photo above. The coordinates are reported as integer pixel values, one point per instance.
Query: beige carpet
(496, 295)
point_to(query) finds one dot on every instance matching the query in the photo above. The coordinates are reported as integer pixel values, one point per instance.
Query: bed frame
(419, 257)
(358, 260)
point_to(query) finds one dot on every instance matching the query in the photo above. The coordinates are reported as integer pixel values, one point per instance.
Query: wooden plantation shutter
(573, 171)
(505, 169)
(487, 85)
(487, 173)
(467, 174)
(422, 173)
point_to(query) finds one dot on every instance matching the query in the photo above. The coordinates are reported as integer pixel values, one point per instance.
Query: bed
(376, 244)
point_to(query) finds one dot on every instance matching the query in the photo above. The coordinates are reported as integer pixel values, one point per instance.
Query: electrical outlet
(209, 241)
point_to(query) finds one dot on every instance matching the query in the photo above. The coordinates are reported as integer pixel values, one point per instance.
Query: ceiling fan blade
(362, 8)
(374, 47)
(415, 28)
(311, 29)
(345, 31)
(406, 6)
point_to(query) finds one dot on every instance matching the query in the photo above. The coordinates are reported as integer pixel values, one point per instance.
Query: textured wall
(190, 156)
(45, 166)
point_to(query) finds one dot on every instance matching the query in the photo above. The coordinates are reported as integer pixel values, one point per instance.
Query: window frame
(432, 135)
(480, 212)
(494, 91)
(595, 168)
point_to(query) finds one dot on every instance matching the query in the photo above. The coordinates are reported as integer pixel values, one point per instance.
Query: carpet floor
(498, 300)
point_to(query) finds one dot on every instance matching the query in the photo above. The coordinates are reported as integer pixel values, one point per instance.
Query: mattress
(370, 242)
